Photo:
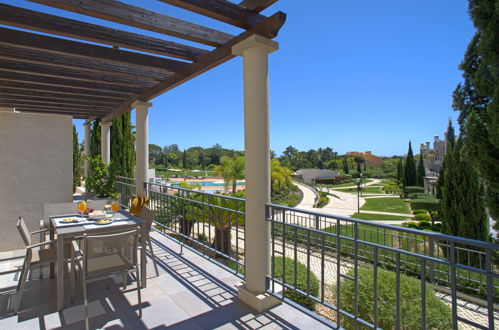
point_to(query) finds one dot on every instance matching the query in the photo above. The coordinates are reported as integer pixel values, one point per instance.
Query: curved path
(346, 203)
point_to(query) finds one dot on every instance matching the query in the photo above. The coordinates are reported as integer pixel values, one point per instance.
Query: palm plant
(231, 169)
(280, 177)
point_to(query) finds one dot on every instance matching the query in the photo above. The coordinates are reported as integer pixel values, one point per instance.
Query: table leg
(143, 261)
(60, 273)
(51, 237)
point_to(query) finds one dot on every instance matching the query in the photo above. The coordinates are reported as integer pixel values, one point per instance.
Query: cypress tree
(463, 207)
(477, 98)
(184, 160)
(76, 160)
(421, 171)
(122, 145)
(450, 141)
(95, 139)
(410, 176)
(400, 170)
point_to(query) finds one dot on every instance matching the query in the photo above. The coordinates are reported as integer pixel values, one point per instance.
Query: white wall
(35, 168)
(310, 174)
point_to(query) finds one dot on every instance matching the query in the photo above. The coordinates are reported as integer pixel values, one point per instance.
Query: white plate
(103, 224)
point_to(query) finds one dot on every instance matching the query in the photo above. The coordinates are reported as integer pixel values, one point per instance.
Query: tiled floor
(190, 293)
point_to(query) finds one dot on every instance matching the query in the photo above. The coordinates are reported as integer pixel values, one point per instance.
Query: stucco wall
(310, 174)
(35, 168)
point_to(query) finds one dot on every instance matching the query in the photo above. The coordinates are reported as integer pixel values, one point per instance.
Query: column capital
(255, 40)
(105, 123)
(141, 104)
(87, 123)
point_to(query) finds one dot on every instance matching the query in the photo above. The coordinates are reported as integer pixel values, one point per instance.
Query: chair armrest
(39, 231)
(40, 244)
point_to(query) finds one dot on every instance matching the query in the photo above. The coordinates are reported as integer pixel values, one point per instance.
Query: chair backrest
(51, 209)
(148, 215)
(23, 231)
(111, 252)
(97, 204)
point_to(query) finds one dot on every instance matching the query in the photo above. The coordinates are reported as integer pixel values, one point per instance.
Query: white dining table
(67, 231)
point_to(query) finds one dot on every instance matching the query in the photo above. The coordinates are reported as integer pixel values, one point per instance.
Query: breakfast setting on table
(91, 216)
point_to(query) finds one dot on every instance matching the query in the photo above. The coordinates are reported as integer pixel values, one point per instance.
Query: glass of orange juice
(115, 206)
(82, 207)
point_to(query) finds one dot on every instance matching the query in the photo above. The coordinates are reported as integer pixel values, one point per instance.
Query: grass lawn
(334, 186)
(367, 216)
(386, 205)
(367, 190)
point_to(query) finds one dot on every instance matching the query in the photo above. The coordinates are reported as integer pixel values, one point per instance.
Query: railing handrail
(437, 236)
(194, 191)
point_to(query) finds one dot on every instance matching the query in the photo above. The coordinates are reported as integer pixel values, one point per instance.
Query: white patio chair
(148, 215)
(103, 256)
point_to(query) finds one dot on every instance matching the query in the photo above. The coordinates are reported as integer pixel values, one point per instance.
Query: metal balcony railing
(334, 249)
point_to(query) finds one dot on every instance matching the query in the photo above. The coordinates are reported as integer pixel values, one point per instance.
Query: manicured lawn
(348, 184)
(368, 216)
(367, 190)
(386, 205)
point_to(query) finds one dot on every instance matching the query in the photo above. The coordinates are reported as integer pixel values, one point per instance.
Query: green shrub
(413, 189)
(323, 199)
(425, 204)
(419, 211)
(438, 314)
(301, 281)
(410, 224)
(422, 217)
(101, 178)
(422, 225)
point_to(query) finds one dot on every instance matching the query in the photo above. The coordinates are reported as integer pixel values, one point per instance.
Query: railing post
(432, 264)
(255, 50)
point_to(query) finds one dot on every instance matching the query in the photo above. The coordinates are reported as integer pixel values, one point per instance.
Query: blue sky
(351, 75)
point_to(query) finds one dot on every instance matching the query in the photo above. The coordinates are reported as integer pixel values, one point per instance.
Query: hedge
(438, 314)
(425, 204)
(413, 189)
(301, 281)
(420, 196)
(422, 217)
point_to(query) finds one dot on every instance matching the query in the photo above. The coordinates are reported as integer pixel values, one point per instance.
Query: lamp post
(358, 194)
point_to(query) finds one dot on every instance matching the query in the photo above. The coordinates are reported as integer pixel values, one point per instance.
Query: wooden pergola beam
(122, 13)
(20, 103)
(257, 5)
(33, 20)
(62, 98)
(75, 114)
(267, 28)
(51, 71)
(221, 10)
(67, 61)
(55, 102)
(84, 85)
(79, 49)
(63, 90)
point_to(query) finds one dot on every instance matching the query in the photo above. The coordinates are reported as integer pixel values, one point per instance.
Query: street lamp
(358, 194)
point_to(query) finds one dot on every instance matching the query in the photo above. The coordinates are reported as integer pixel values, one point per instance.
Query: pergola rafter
(64, 64)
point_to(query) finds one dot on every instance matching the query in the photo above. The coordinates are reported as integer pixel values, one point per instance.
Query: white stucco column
(141, 144)
(86, 149)
(254, 51)
(105, 141)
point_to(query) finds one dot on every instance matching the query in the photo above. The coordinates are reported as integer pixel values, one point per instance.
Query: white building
(312, 174)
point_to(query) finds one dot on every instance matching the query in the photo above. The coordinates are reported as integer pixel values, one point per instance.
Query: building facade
(371, 160)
